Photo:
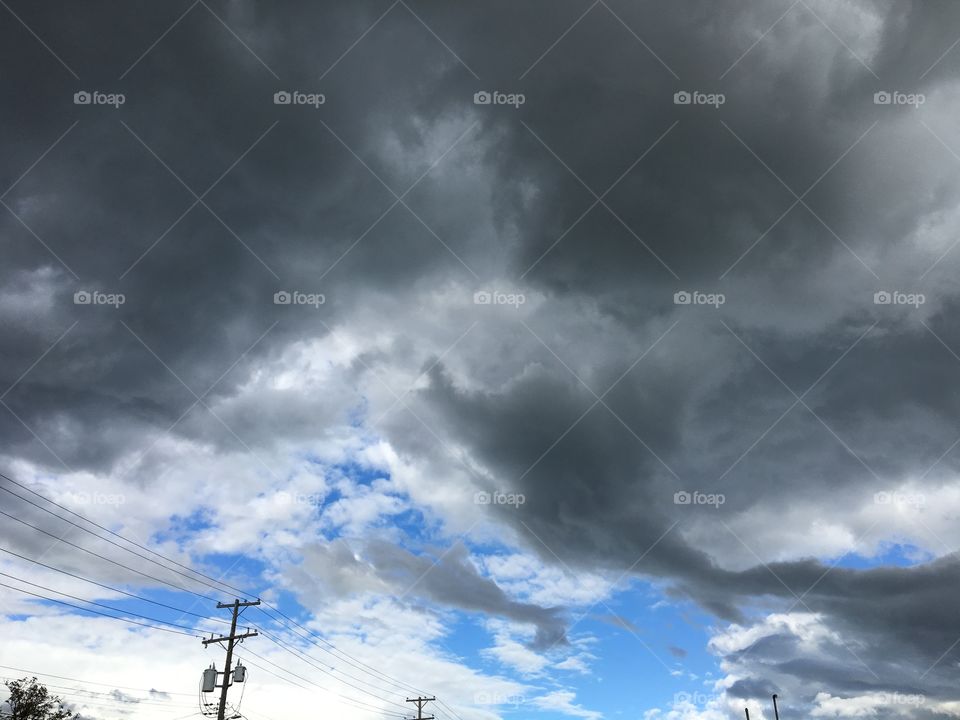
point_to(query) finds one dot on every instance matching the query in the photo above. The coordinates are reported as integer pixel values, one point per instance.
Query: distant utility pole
(421, 701)
(231, 640)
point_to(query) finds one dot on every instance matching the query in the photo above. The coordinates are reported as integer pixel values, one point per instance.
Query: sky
(561, 359)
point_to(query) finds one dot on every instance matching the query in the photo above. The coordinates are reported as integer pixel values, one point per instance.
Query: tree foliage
(30, 700)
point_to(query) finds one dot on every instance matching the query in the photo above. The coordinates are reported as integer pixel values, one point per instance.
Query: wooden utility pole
(231, 640)
(421, 701)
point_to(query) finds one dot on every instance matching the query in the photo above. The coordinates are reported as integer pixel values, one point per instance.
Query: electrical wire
(62, 690)
(269, 672)
(95, 612)
(70, 522)
(336, 653)
(93, 602)
(33, 673)
(351, 701)
(95, 554)
(306, 658)
(360, 665)
(312, 636)
(115, 534)
(117, 590)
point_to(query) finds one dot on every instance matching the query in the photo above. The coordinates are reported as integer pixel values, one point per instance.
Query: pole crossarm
(234, 637)
(245, 603)
(421, 701)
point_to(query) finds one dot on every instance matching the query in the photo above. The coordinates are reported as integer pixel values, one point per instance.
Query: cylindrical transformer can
(209, 679)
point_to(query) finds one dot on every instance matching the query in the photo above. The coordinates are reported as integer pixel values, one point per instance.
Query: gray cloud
(699, 411)
(447, 578)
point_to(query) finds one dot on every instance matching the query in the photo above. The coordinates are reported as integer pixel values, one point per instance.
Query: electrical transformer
(209, 679)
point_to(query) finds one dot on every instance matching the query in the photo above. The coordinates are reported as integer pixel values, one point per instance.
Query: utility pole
(231, 640)
(421, 701)
(776, 712)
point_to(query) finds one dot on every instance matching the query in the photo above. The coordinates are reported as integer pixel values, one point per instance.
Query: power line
(93, 602)
(132, 552)
(114, 705)
(298, 685)
(343, 656)
(359, 664)
(448, 709)
(353, 661)
(307, 659)
(118, 535)
(110, 587)
(253, 664)
(63, 690)
(114, 562)
(352, 677)
(91, 682)
(106, 697)
(339, 654)
(351, 701)
(95, 554)
(95, 612)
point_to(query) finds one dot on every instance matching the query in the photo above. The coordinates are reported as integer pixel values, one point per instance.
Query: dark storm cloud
(600, 476)
(698, 201)
(885, 632)
(287, 200)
